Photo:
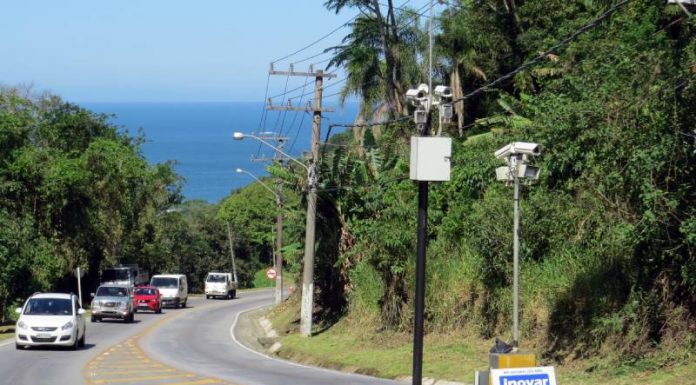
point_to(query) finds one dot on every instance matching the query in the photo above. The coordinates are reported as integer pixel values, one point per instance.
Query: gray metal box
(430, 158)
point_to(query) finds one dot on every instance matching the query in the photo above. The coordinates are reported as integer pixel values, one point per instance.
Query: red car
(147, 298)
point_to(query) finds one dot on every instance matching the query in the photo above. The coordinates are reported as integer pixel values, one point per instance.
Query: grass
(351, 346)
(261, 281)
(7, 331)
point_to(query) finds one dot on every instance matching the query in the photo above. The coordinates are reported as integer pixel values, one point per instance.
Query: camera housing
(418, 96)
(518, 148)
(444, 92)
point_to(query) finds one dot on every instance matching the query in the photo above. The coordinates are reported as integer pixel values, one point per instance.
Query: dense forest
(608, 252)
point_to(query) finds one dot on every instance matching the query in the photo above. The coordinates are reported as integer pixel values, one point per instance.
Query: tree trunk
(458, 92)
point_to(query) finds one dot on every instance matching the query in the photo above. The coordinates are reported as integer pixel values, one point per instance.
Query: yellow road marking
(149, 370)
(117, 363)
(198, 382)
(146, 378)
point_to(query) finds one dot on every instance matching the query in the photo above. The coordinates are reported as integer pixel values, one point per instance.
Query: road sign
(544, 375)
(271, 273)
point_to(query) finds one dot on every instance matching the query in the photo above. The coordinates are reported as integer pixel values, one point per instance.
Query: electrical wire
(312, 44)
(542, 56)
(418, 12)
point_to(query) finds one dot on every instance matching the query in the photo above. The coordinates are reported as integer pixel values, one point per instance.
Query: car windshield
(105, 291)
(48, 306)
(115, 275)
(216, 278)
(167, 283)
(145, 291)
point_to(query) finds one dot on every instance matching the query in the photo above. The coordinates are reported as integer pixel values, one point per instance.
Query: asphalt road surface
(192, 346)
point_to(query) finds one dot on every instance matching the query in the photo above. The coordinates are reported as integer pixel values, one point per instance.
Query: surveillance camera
(412, 94)
(420, 116)
(528, 172)
(446, 111)
(503, 174)
(518, 148)
(443, 92)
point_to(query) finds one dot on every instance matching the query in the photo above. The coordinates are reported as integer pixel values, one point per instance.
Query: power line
(294, 117)
(316, 41)
(417, 12)
(587, 27)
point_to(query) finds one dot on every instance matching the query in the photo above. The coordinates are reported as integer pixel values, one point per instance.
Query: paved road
(203, 344)
(192, 346)
(59, 366)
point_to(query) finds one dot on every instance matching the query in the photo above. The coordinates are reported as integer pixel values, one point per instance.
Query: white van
(220, 285)
(173, 288)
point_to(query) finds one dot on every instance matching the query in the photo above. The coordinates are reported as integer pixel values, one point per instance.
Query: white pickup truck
(220, 285)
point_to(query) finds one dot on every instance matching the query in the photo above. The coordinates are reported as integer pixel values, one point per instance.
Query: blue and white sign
(543, 375)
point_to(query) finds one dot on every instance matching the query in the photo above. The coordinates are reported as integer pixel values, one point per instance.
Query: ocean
(198, 137)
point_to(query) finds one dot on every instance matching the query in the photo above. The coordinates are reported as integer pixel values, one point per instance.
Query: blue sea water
(198, 137)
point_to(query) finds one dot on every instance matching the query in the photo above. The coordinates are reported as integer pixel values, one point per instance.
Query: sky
(159, 50)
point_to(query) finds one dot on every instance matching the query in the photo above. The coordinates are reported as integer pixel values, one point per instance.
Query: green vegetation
(608, 234)
(260, 279)
(76, 190)
(608, 231)
(7, 332)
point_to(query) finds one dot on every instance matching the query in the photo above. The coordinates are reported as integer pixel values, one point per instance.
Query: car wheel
(207, 297)
(183, 304)
(18, 346)
(234, 293)
(159, 310)
(75, 344)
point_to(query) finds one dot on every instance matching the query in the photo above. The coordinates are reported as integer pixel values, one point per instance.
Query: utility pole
(229, 239)
(307, 306)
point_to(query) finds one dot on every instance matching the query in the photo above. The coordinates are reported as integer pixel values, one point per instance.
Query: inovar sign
(524, 376)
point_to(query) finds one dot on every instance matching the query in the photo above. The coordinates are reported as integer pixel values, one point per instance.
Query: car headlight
(22, 325)
(67, 326)
(122, 305)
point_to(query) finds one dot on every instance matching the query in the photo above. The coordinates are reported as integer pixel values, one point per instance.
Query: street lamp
(279, 237)
(516, 155)
(241, 135)
(307, 305)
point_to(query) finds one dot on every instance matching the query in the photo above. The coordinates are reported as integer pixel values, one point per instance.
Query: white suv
(54, 319)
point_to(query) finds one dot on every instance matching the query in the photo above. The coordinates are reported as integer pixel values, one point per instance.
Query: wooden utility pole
(307, 305)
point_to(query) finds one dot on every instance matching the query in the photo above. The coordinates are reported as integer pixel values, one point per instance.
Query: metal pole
(307, 307)
(279, 253)
(420, 273)
(516, 263)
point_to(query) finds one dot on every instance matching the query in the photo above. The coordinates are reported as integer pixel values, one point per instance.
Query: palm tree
(374, 54)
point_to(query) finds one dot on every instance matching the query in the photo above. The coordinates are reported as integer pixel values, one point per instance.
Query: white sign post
(78, 274)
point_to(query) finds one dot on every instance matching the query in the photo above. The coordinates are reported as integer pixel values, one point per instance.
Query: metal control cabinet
(430, 158)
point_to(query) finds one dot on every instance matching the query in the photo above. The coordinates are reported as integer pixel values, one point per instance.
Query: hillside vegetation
(608, 231)
(75, 190)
